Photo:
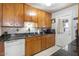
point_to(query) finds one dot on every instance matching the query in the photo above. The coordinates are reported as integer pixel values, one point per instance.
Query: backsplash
(25, 29)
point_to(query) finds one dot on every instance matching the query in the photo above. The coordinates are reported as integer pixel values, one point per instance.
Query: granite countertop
(10, 37)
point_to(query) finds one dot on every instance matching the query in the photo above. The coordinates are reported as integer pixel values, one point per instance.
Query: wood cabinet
(42, 18)
(12, 14)
(2, 51)
(47, 41)
(33, 45)
(48, 20)
(19, 14)
(28, 46)
(35, 11)
(36, 44)
(43, 43)
(15, 14)
(8, 15)
(50, 40)
(27, 10)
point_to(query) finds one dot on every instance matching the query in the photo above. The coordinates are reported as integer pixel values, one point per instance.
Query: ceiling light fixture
(48, 4)
(32, 13)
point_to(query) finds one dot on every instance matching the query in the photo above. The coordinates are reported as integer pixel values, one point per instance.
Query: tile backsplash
(25, 29)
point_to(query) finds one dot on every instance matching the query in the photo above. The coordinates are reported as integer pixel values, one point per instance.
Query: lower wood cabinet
(33, 45)
(50, 40)
(43, 43)
(2, 52)
(36, 44)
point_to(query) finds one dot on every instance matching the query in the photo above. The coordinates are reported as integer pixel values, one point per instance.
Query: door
(41, 19)
(8, 15)
(27, 10)
(48, 21)
(32, 45)
(13, 14)
(64, 30)
(19, 14)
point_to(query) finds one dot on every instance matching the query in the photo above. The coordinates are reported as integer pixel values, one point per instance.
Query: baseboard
(48, 51)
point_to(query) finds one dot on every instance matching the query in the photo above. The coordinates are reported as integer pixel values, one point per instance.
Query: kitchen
(30, 30)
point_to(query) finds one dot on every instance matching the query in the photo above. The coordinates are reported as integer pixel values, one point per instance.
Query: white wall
(70, 11)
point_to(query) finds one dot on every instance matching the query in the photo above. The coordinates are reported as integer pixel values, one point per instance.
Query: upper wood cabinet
(42, 18)
(8, 15)
(35, 11)
(19, 14)
(27, 10)
(15, 14)
(12, 14)
(48, 21)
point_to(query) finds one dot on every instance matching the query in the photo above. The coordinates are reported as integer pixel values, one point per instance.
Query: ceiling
(53, 8)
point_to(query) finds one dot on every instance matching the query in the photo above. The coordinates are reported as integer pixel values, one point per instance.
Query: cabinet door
(41, 18)
(35, 12)
(50, 40)
(37, 44)
(19, 21)
(27, 10)
(47, 39)
(8, 14)
(33, 45)
(2, 52)
(29, 46)
(48, 21)
(43, 43)
(44, 19)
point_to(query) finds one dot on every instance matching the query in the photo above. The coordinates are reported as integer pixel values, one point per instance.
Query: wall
(70, 11)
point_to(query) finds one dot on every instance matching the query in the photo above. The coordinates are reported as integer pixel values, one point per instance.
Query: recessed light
(31, 13)
(48, 4)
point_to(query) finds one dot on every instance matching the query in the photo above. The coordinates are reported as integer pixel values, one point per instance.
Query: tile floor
(70, 51)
